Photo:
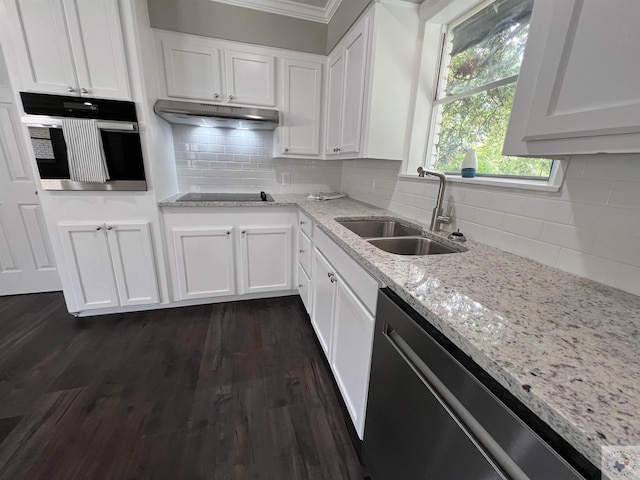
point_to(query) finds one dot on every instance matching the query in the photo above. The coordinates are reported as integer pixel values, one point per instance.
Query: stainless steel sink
(379, 228)
(412, 246)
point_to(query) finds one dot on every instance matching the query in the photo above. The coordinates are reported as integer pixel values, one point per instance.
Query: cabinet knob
(216, 96)
(244, 232)
(84, 91)
(98, 228)
(70, 89)
(228, 233)
(301, 251)
(300, 285)
(333, 278)
(286, 149)
(230, 97)
(109, 227)
(302, 222)
(338, 149)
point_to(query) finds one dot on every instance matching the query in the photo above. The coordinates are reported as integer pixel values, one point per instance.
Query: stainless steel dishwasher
(429, 417)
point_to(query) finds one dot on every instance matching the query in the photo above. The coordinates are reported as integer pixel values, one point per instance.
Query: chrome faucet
(437, 217)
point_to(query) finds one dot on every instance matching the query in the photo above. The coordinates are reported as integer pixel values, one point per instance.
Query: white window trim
(559, 168)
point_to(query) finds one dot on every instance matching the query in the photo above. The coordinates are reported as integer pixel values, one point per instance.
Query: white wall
(590, 228)
(217, 159)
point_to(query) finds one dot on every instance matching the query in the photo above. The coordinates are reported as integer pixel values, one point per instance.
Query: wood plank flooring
(227, 391)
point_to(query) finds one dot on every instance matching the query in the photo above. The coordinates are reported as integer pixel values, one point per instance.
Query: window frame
(559, 165)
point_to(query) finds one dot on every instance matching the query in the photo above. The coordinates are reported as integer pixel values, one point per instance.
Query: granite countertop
(567, 347)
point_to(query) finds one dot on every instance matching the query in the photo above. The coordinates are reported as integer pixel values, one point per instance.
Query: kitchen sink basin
(411, 246)
(379, 228)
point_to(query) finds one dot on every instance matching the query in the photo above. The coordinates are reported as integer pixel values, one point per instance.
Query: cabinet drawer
(305, 224)
(304, 288)
(304, 252)
(359, 280)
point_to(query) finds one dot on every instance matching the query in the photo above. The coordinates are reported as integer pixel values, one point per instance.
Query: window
(479, 66)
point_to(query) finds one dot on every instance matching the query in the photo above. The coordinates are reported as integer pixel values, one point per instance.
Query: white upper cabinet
(578, 92)
(301, 108)
(69, 46)
(346, 89)
(192, 69)
(251, 78)
(370, 84)
(208, 69)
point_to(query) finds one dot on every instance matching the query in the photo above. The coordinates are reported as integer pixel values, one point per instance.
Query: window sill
(540, 186)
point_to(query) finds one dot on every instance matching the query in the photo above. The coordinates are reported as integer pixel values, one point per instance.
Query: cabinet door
(88, 263)
(353, 328)
(304, 288)
(301, 113)
(577, 91)
(323, 297)
(204, 262)
(192, 69)
(265, 256)
(335, 77)
(251, 78)
(42, 44)
(355, 62)
(133, 263)
(98, 47)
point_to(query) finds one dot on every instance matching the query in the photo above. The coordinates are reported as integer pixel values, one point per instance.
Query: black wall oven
(117, 125)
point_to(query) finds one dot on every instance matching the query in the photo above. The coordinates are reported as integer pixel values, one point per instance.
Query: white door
(46, 60)
(98, 47)
(265, 256)
(26, 258)
(88, 264)
(301, 113)
(204, 262)
(355, 60)
(251, 78)
(133, 263)
(351, 351)
(192, 69)
(323, 297)
(335, 79)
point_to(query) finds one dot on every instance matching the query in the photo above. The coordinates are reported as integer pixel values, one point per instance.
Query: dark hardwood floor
(228, 391)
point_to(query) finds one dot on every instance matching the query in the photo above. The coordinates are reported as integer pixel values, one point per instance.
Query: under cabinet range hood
(219, 116)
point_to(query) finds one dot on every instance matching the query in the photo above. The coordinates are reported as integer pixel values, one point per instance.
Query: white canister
(469, 164)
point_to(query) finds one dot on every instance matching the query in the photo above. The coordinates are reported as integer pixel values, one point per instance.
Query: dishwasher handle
(465, 420)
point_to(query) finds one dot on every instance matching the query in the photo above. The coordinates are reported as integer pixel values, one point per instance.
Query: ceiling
(315, 10)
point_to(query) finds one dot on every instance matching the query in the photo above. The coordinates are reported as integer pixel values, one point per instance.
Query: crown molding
(289, 8)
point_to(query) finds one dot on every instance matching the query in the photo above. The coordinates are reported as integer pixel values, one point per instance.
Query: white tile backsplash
(212, 159)
(591, 227)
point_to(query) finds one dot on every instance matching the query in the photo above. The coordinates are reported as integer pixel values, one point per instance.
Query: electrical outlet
(286, 178)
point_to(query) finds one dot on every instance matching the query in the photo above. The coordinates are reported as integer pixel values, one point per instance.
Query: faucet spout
(437, 218)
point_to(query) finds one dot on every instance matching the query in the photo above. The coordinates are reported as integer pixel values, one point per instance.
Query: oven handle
(55, 122)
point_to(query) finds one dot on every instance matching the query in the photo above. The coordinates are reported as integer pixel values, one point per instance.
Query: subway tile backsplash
(225, 160)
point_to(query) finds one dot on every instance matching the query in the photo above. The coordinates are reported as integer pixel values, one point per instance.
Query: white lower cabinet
(265, 256)
(323, 295)
(343, 305)
(229, 252)
(110, 264)
(204, 262)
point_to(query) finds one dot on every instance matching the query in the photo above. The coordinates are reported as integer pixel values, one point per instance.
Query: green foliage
(480, 121)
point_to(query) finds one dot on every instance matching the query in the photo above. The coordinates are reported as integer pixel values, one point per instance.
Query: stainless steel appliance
(213, 115)
(433, 414)
(118, 126)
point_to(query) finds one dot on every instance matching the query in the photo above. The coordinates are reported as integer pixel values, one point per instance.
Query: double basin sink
(395, 236)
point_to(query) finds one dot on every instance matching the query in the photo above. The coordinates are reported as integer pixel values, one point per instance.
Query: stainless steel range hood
(220, 116)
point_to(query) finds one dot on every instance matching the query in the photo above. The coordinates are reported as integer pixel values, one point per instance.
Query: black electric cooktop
(225, 197)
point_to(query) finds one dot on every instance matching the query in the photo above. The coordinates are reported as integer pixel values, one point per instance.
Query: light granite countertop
(567, 347)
